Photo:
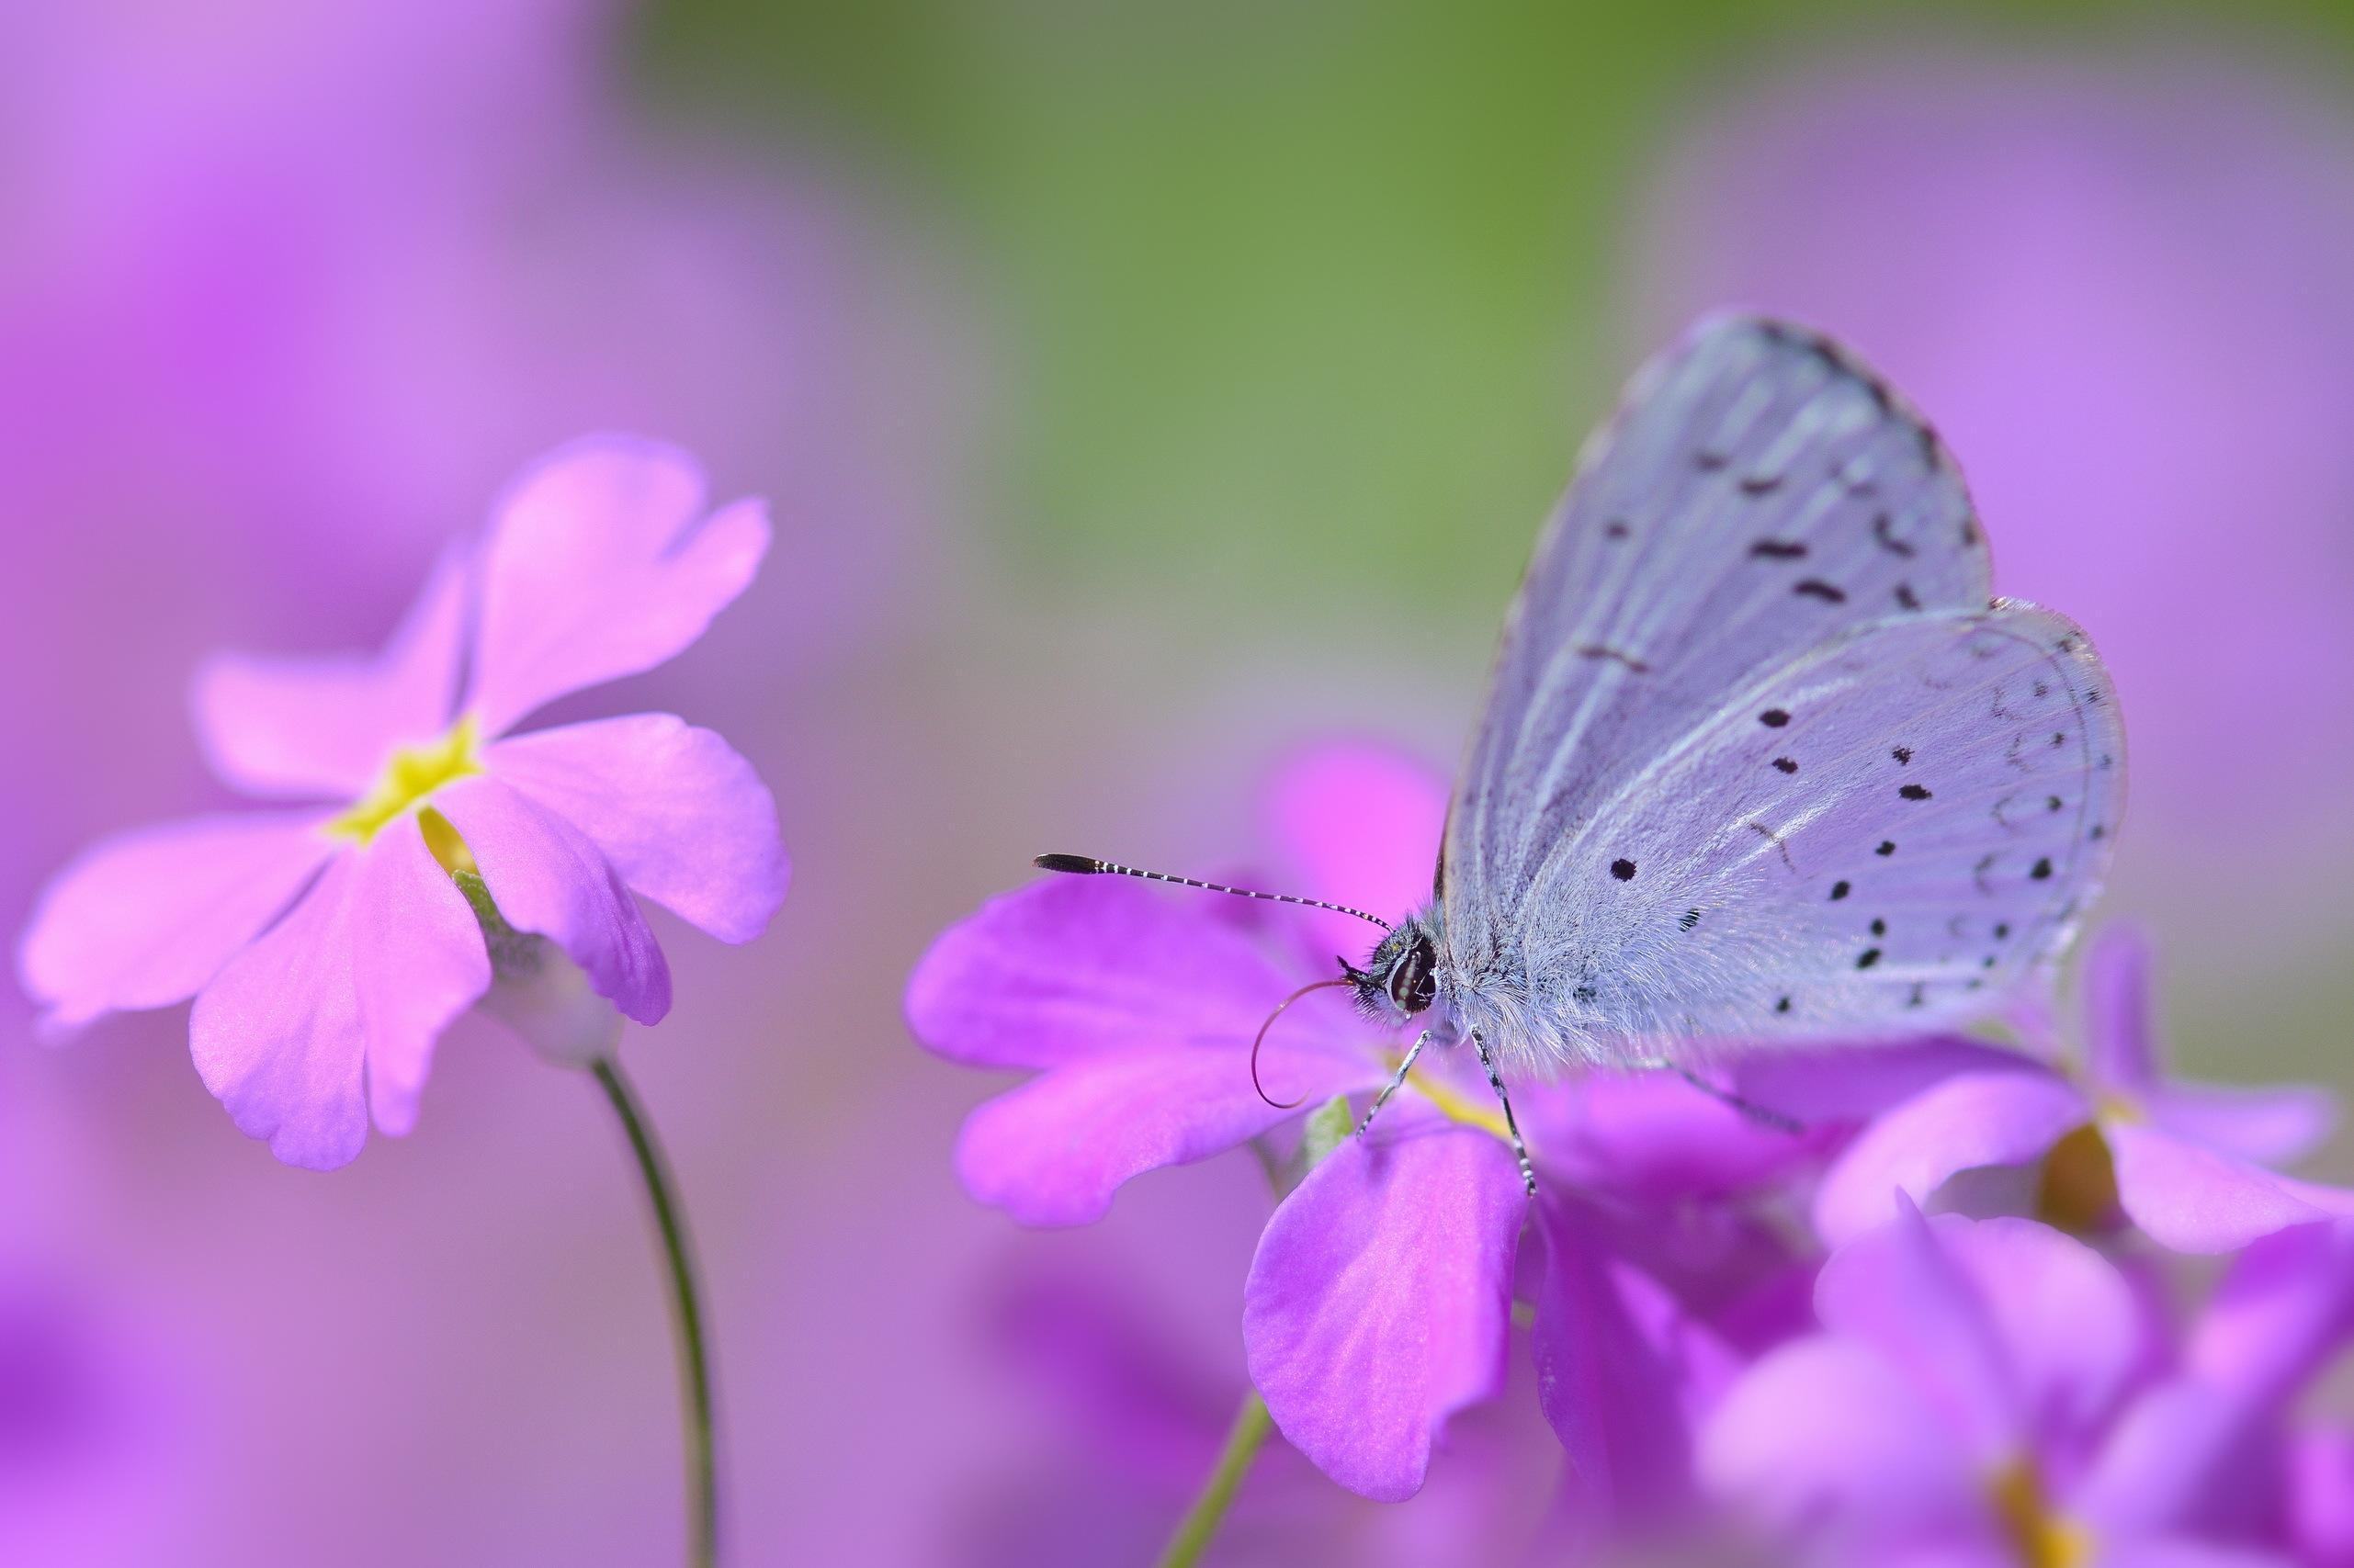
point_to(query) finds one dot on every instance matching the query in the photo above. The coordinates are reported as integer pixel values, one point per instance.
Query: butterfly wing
(1759, 493)
(1883, 835)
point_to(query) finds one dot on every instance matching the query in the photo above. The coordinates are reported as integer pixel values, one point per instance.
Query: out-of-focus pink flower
(2121, 288)
(1961, 1405)
(1380, 1300)
(329, 945)
(2188, 1164)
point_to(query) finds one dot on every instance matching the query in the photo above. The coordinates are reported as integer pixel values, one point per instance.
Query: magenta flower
(2188, 1164)
(1381, 1297)
(1961, 1405)
(328, 944)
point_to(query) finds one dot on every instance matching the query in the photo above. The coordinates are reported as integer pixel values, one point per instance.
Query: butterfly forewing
(1758, 494)
(1922, 829)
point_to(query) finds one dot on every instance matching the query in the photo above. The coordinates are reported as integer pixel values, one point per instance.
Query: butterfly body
(1762, 761)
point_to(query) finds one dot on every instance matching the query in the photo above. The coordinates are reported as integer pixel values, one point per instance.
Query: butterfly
(1762, 761)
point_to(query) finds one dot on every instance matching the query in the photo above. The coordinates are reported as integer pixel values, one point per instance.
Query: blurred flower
(285, 288)
(1380, 1300)
(2186, 1163)
(2121, 288)
(601, 562)
(1960, 1406)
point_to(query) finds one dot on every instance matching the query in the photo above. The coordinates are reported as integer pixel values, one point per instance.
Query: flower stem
(694, 1358)
(1243, 1440)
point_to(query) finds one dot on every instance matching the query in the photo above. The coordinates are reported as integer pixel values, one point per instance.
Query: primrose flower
(1961, 1404)
(2188, 1163)
(1381, 1298)
(328, 944)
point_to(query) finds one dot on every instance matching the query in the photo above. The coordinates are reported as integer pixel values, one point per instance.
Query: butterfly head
(1401, 978)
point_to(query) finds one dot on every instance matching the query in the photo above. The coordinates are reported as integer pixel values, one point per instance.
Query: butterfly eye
(1412, 985)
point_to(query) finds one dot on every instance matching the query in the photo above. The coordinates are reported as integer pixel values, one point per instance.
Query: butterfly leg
(1520, 1149)
(1748, 1107)
(1395, 1079)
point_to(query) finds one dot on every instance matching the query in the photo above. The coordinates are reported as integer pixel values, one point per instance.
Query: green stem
(1243, 1441)
(694, 1358)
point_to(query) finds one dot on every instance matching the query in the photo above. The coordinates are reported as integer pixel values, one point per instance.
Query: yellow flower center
(1455, 1107)
(2077, 1189)
(408, 782)
(2041, 1539)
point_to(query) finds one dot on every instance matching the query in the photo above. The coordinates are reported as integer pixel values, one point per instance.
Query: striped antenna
(1083, 865)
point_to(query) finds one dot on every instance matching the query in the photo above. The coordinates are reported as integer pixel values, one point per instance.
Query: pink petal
(1623, 1371)
(683, 820)
(2321, 1497)
(1905, 1290)
(2275, 1124)
(2184, 1457)
(1378, 1303)
(419, 961)
(602, 563)
(1977, 1119)
(307, 728)
(277, 1035)
(2190, 1199)
(2121, 1048)
(1053, 1151)
(1827, 1428)
(144, 918)
(2280, 1315)
(1357, 823)
(547, 877)
(1069, 966)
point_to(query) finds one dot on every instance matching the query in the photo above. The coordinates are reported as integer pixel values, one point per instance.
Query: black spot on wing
(1906, 597)
(1689, 918)
(1867, 958)
(1887, 540)
(1773, 718)
(1623, 869)
(1839, 891)
(1902, 754)
(1785, 764)
(1778, 550)
(1913, 791)
(1815, 588)
(1887, 846)
(1760, 484)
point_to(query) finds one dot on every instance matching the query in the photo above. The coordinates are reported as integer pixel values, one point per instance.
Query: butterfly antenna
(1260, 1038)
(1083, 865)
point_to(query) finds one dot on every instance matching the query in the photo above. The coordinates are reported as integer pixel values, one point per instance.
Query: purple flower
(2186, 1163)
(1381, 1297)
(1962, 1404)
(328, 945)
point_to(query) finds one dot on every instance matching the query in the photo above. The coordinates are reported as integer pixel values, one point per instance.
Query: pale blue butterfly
(1762, 760)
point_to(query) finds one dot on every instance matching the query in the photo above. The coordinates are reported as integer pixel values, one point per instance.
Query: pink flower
(2188, 1164)
(329, 944)
(1380, 1299)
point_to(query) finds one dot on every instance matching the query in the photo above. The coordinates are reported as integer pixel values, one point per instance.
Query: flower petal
(418, 962)
(277, 1035)
(1357, 823)
(1826, 1430)
(2281, 1314)
(1053, 1151)
(1071, 966)
(600, 564)
(1905, 1290)
(144, 918)
(2184, 1457)
(2191, 1198)
(547, 877)
(2120, 1049)
(1623, 1371)
(305, 727)
(2274, 1124)
(2321, 1495)
(1975, 1119)
(684, 819)
(1378, 1302)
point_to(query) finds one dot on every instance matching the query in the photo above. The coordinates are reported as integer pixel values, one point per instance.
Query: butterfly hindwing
(1884, 835)
(1758, 494)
